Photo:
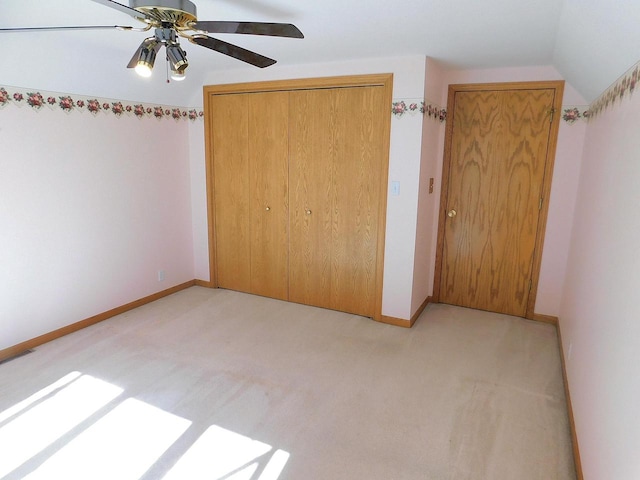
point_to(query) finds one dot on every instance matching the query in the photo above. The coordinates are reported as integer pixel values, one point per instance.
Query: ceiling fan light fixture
(177, 76)
(146, 58)
(144, 69)
(177, 58)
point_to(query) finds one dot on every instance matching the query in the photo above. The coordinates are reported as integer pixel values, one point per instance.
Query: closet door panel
(230, 135)
(268, 170)
(311, 130)
(357, 163)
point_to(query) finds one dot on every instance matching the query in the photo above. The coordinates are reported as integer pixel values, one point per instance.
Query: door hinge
(530, 284)
(540, 204)
(551, 112)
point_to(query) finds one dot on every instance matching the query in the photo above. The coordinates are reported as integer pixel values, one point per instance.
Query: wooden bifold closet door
(297, 188)
(336, 150)
(250, 133)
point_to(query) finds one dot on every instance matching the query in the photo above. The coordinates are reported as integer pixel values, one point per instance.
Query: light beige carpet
(222, 385)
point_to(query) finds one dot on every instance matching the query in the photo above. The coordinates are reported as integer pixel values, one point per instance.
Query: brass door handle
(451, 213)
(307, 211)
(268, 208)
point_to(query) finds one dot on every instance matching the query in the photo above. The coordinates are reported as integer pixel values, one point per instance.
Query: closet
(297, 175)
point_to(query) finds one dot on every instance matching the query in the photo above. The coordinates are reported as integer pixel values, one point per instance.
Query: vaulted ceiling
(590, 42)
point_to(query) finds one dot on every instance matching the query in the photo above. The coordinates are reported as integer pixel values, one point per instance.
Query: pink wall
(562, 204)
(431, 157)
(199, 226)
(91, 207)
(600, 314)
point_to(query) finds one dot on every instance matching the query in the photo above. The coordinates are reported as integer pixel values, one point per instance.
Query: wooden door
(338, 147)
(268, 170)
(229, 130)
(500, 150)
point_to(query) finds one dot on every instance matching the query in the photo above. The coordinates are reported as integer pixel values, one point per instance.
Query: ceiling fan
(171, 19)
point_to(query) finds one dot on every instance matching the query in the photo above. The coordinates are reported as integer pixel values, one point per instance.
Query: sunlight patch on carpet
(78, 428)
(222, 454)
(18, 407)
(46, 421)
(121, 445)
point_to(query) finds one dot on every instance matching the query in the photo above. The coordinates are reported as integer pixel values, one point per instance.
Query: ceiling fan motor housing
(176, 12)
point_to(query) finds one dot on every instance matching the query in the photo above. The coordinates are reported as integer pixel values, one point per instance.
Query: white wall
(404, 167)
(600, 315)
(91, 207)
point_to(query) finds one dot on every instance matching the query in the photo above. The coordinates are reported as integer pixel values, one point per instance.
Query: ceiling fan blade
(250, 28)
(233, 51)
(44, 29)
(126, 9)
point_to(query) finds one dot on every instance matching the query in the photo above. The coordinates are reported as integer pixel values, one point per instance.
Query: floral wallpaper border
(573, 113)
(621, 88)
(570, 113)
(76, 103)
(36, 100)
(425, 107)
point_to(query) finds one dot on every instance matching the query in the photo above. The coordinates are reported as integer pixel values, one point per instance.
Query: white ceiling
(590, 42)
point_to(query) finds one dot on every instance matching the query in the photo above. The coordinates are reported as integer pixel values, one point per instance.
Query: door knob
(268, 208)
(451, 213)
(307, 211)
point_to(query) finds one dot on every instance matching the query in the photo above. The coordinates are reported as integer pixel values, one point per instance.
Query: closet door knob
(307, 211)
(268, 208)
(452, 213)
